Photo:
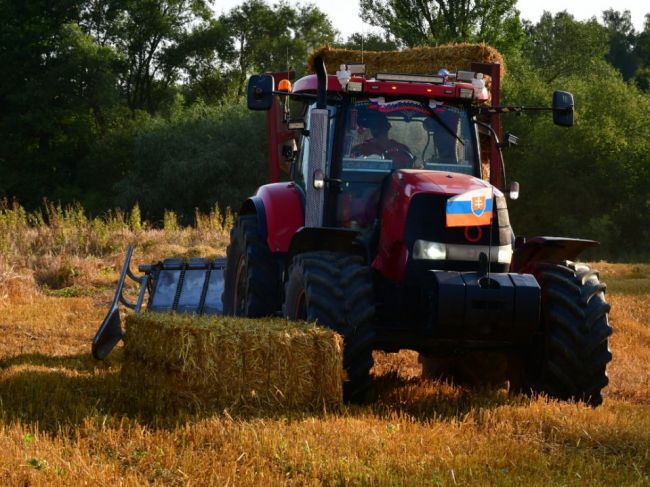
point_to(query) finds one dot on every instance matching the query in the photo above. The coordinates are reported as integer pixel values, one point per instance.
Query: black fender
(255, 206)
(548, 249)
(310, 239)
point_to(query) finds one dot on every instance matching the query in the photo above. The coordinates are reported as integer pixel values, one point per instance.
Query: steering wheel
(405, 157)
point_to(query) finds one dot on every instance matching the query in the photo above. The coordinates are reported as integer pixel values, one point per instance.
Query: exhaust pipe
(321, 76)
(318, 136)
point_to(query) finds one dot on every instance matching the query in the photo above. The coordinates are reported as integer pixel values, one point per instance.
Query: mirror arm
(511, 109)
(308, 96)
(321, 75)
(498, 142)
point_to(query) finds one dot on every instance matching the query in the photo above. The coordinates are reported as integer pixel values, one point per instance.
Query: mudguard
(280, 212)
(548, 249)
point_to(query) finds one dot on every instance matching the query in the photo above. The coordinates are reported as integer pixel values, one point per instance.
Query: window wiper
(440, 121)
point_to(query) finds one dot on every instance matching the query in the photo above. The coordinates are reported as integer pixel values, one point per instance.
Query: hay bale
(418, 60)
(216, 362)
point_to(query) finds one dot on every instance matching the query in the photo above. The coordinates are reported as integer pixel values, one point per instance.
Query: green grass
(633, 286)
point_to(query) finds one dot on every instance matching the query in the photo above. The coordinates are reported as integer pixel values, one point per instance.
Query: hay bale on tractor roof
(418, 60)
(185, 362)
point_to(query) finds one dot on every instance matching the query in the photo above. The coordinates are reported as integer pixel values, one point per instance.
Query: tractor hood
(413, 191)
(414, 208)
(414, 181)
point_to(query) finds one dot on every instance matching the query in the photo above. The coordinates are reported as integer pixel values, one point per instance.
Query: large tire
(252, 279)
(574, 352)
(336, 291)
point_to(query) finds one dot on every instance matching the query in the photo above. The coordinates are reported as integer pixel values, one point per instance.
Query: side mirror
(260, 92)
(563, 109)
(509, 140)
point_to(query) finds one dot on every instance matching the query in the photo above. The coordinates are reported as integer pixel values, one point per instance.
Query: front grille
(426, 221)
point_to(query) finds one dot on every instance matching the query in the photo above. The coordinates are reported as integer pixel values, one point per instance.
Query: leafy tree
(203, 58)
(150, 34)
(642, 47)
(369, 42)
(622, 39)
(599, 168)
(417, 22)
(97, 19)
(559, 45)
(53, 101)
(196, 157)
(642, 79)
(144, 30)
(274, 38)
(591, 180)
(642, 51)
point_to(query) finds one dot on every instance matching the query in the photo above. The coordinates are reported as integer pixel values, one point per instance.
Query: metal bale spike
(110, 331)
(108, 334)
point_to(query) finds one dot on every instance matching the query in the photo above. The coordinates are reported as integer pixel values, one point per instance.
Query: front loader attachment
(180, 285)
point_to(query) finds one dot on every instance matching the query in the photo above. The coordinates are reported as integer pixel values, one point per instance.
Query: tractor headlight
(504, 255)
(424, 250)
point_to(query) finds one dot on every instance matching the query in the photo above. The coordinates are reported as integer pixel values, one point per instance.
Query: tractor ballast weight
(403, 240)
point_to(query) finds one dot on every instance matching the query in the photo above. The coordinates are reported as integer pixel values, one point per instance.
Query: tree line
(113, 102)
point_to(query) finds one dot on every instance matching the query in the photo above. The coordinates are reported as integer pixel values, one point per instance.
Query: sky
(345, 13)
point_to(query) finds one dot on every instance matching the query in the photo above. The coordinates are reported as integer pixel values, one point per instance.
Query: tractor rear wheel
(574, 352)
(252, 280)
(336, 291)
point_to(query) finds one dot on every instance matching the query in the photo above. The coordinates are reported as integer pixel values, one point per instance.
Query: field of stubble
(63, 423)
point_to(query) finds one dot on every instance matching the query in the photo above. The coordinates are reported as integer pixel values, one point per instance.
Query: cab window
(301, 171)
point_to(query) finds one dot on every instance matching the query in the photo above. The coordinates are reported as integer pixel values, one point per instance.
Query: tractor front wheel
(252, 280)
(574, 352)
(335, 290)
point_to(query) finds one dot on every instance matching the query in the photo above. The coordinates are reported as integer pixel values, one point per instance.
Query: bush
(198, 157)
(589, 181)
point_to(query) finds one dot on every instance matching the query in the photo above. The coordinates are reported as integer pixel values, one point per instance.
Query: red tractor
(393, 230)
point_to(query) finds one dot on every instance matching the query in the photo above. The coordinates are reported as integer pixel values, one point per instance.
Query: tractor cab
(376, 137)
(385, 124)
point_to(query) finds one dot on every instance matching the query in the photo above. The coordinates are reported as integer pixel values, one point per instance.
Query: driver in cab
(380, 145)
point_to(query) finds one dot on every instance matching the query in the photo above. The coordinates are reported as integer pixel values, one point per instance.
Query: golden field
(65, 421)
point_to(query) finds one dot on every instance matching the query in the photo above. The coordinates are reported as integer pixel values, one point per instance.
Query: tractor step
(175, 284)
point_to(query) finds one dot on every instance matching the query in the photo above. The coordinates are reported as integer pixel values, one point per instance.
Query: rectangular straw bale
(227, 362)
(418, 60)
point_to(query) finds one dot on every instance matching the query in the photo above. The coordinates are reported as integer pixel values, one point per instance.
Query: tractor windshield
(407, 134)
(380, 137)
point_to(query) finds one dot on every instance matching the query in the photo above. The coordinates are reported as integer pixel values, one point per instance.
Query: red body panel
(310, 83)
(392, 254)
(277, 132)
(284, 214)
